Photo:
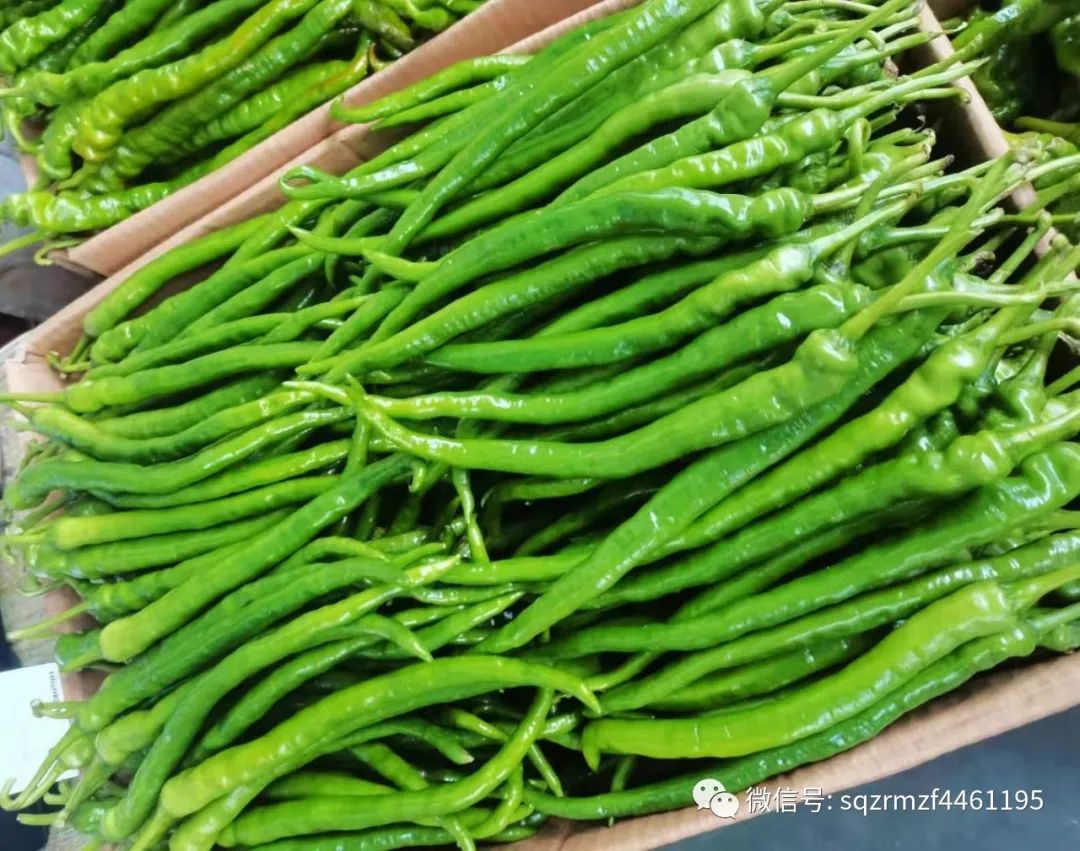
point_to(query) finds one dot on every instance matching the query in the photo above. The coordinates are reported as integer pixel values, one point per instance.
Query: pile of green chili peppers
(1031, 80)
(123, 103)
(664, 405)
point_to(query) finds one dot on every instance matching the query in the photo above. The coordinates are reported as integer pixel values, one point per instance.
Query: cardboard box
(496, 25)
(989, 706)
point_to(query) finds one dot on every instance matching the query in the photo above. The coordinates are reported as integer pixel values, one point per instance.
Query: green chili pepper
(980, 610)
(104, 118)
(1065, 36)
(937, 679)
(171, 128)
(30, 36)
(414, 686)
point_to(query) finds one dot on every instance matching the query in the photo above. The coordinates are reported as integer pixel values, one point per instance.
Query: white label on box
(25, 739)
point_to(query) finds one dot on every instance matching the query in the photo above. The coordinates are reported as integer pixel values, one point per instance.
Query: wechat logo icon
(710, 794)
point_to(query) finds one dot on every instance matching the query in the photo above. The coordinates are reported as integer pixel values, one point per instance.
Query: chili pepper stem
(329, 392)
(987, 298)
(41, 255)
(22, 539)
(960, 234)
(37, 787)
(38, 819)
(824, 246)
(1064, 383)
(625, 672)
(1026, 122)
(29, 589)
(91, 779)
(22, 410)
(20, 242)
(56, 799)
(842, 5)
(52, 398)
(75, 356)
(1026, 593)
(970, 177)
(1067, 325)
(786, 75)
(153, 831)
(1066, 163)
(55, 709)
(82, 661)
(1045, 621)
(773, 50)
(840, 199)
(909, 86)
(44, 628)
(1020, 443)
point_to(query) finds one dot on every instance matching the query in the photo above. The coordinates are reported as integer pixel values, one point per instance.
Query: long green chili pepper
(183, 724)
(157, 49)
(941, 677)
(851, 617)
(979, 610)
(121, 477)
(782, 269)
(142, 285)
(171, 127)
(132, 556)
(963, 466)
(646, 26)
(605, 569)
(256, 474)
(74, 431)
(258, 108)
(877, 566)
(127, 25)
(124, 640)
(70, 532)
(105, 116)
(28, 37)
(774, 214)
(94, 395)
(352, 709)
(728, 687)
(690, 95)
(169, 420)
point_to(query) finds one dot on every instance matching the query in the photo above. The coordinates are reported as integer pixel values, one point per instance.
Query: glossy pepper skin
(941, 677)
(170, 128)
(802, 479)
(1008, 81)
(88, 79)
(934, 543)
(1014, 20)
(102, 122)
(1065, 37)
(29, 37)
(975, 612)
(426, 684)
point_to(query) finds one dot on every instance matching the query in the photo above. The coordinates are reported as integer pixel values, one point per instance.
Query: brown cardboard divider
(988, 706)
(493, 27)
